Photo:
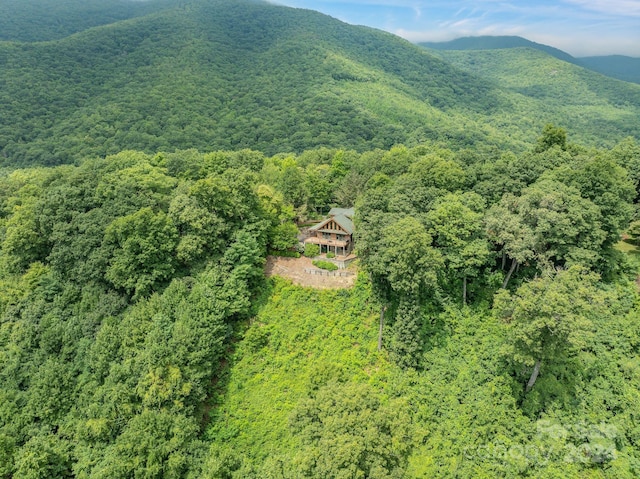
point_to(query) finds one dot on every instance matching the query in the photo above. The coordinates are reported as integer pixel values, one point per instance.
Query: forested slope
(618, 66)
(536, 81)
(42, 20)
(615, 66)
(487, 42)
(494, 328)
(225, 75)
(236, 74)
(138, 335)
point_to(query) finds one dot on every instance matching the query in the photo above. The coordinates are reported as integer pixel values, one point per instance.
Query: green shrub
(311, 250)
(328, 265)
(283, 236)
(331, 254)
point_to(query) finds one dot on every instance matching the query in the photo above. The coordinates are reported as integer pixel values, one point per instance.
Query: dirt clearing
(294, 269)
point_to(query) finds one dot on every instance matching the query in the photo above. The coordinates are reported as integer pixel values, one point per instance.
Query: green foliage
(151, 83)
(144, 244)
(560, 92)
(97, 383)
(456, 223)
(339, 400)
(138, 335)
(552, 136)
(283, 236)
(549, 316)
(328, 265)
(346, 431)
(43, 20)
(331, 254)
(406, 342)
(311, 250)
(43, 457)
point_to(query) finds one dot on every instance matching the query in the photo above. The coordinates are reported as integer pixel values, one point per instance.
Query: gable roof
(343, 221)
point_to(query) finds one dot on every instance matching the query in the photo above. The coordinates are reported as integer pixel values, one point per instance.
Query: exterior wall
(331, 237)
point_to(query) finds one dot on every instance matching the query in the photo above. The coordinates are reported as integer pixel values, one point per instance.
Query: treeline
(438, 229)
(122, 283)
(125, 281)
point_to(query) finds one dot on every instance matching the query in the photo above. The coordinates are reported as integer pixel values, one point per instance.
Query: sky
(579, 27)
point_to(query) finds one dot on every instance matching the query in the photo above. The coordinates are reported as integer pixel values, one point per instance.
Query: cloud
(578, 26)
(623, 8)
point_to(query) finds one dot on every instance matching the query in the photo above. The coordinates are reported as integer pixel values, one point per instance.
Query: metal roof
(342, 216)
(348, 212)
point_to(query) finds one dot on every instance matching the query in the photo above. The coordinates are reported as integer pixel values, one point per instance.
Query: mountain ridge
(248, 74)
(620, 67)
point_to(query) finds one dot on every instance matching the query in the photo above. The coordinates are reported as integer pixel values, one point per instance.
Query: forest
(239, 74)
(140, 338)
(155, 154)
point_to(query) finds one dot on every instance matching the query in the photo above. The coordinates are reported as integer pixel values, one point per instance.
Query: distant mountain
(616, 66)
(495, 43)
(233, 74)
(563, 92)
(229, 74)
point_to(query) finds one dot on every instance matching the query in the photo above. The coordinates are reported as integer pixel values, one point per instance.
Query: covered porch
(337, 247)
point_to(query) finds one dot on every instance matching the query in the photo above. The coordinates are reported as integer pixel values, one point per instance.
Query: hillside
(242, 74)
(42, 20)
(487, 42)
(333, 403)
(492, 327)
(139, 336)
(615, 66)
(227, 74)
(557, 90)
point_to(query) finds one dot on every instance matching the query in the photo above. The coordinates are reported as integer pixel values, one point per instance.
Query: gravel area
(294, 269)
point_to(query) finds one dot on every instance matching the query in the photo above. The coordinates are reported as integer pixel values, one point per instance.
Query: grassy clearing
(301, 339)
(464, 413)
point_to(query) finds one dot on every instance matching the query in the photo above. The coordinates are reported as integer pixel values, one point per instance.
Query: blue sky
(579, 27)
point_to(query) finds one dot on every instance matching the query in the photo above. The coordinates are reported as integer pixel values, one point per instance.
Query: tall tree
(607, 185)
(143, 244)
(549, 223)
(552, 136)
(550, 316)
(404, 268)
(509, 232)
(456, 224)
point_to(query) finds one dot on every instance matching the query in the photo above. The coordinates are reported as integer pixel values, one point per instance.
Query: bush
(283, 236)
(328, 265)
(311, 250)
(331, 254)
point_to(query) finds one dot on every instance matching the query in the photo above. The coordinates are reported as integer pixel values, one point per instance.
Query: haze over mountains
(244, 74)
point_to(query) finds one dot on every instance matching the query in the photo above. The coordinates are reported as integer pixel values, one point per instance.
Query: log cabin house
(334, 234)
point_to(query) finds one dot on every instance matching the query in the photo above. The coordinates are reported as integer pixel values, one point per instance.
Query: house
(334, 234)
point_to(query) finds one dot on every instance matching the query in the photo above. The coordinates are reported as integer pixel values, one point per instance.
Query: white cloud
(580, 27)
(623, 8)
